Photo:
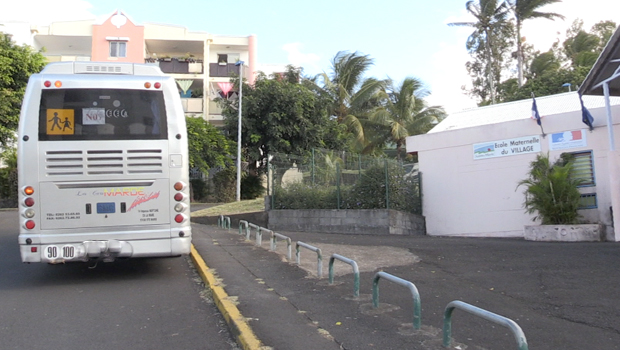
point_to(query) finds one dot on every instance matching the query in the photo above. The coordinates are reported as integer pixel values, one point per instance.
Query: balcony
(176, 66)
(217, 70)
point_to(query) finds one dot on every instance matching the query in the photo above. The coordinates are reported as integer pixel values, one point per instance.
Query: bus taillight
(179, 197)
(157, 85)
(30, 224)
(147, 85)
(57, 83)
(28, 190)
(179, 186)
(29, 202)
(47, 83)
(179, 218)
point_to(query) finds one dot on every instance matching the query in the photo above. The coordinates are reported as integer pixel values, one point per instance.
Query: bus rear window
(102, 114)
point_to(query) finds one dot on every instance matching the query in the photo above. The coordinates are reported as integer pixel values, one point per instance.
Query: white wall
(467, 197)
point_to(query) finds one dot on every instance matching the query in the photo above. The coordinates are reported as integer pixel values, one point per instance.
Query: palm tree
(352, 96)
(491, 16)
(405, 112)
(524, 10)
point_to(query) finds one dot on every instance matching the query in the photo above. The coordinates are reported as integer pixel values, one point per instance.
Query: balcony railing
(176, 66)
(217, 70)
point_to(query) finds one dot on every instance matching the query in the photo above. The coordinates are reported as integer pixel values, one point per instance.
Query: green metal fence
(340, 180)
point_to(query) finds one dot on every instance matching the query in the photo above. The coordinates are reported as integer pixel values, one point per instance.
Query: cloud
(307, 60)
(43, 12)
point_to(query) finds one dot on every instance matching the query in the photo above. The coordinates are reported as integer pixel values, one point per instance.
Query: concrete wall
(464, 196)
(378, 221)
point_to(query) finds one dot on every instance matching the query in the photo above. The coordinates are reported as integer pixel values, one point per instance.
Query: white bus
(102, 164)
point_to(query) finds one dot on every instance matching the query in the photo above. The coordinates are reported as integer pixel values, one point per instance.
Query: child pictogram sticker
(60, 122)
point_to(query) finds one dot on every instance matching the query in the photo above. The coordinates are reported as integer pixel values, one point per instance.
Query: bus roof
(87, 67)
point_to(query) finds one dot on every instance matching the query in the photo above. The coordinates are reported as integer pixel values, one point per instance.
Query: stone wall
(359, 221)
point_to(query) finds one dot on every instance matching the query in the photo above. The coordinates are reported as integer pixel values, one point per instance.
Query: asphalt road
(132, 304)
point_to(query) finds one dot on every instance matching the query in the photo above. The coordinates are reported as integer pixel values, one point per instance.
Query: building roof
(503, 112)
(607, 67)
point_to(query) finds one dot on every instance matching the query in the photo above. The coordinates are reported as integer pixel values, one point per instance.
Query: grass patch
(245, 206)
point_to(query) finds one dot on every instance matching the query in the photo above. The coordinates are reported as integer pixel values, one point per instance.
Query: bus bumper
(106, 251)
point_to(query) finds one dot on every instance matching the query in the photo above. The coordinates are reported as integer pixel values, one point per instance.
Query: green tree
(405, 112)
(486, 39)
(17, 63)
(281, 115)
(524, 10)
(208, 147)
(352, 97)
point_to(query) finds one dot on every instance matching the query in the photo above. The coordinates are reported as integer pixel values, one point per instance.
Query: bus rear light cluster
(29, 202)
(179, 196)
(156, 85)
(57, 83)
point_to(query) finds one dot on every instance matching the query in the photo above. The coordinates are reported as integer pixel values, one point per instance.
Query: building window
(222, 59)
(588, 201)
(583, 168)
(118, 49)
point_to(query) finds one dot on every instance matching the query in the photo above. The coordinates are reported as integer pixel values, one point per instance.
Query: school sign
(508, 147)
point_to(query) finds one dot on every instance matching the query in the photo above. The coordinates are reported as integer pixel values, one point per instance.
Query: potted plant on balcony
(552, 193)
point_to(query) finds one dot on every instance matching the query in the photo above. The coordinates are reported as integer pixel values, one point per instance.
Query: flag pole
(536, 115)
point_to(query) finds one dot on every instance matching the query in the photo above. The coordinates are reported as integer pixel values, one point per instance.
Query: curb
(236, 322)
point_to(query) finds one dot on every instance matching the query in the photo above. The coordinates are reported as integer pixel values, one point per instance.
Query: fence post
(313, 167)
(338, 183)
(273, 185)
(387, 185)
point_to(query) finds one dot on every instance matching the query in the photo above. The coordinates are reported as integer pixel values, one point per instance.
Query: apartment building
(200, 62)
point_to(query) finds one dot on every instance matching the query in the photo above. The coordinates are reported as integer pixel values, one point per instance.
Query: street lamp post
(240, 65)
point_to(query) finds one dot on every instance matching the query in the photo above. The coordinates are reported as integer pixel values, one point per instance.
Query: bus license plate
(105, 208)
(66, 252)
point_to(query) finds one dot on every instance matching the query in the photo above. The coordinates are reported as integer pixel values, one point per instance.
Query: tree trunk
(519, 54)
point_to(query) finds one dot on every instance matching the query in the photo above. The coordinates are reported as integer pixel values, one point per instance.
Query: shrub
(225, 185)
(251, 186)
(552, 191)
(200, 189)
(300, 196)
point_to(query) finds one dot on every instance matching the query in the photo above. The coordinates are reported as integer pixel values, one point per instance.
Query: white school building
(472, 162)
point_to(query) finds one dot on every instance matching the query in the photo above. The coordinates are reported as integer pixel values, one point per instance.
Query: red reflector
(178, 197)
(179, 218)
(157, 85)
(30, 224)
(29, 202)
(178, 186)
(33, 249)
(47, 83)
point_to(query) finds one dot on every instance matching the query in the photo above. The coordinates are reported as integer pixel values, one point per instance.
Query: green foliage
(225, 185)
(302, 196)
(200, 189)
(281, 115)
(17, 63)
(8, 175)
(251, 186)
(207, 146)
(551, 191)
(405, 112)
(368, 192)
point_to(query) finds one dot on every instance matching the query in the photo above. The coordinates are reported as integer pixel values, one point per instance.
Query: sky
(405, 38)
